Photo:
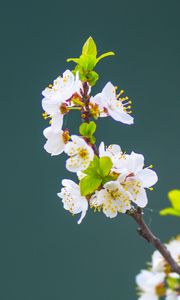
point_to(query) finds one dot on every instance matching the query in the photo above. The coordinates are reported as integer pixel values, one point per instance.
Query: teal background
(44, 253)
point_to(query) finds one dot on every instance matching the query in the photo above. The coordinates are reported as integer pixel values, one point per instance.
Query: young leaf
(92, 77)
(107, 178)
(104, 55)
(91, 128)
(105, 165)
(87, 129)
(89, 184)
(169, 211)
(174, 198)
(89, 48)
(93, 166)
(83, 129)
(76, 60)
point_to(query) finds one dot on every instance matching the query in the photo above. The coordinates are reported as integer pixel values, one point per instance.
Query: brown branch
(86, 112)
(147, 234)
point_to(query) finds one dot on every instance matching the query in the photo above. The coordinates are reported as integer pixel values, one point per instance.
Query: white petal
(114, 149)
(98, 99)
(109, 212)
(55, 143)
(109, 92)
(148, 177)
(71, 148)
(50, 106)
(47, 132)
(101, 197)
(137, 162)
(83, 212)
(57, 121)
(101, 149)
(148, 296)
(75, 164)
(141, 198)
(121, 116)
(70, 183)
(112, 185)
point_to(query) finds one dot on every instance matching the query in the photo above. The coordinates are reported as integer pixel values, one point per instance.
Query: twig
(86, 112)
(147, 234)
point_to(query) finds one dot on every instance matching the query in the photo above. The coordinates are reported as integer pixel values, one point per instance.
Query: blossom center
(83, 153)
(160, 290)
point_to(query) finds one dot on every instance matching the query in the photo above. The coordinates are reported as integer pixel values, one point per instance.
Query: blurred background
(44, 253)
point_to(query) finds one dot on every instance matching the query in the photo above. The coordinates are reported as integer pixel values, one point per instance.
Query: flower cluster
(159, 281)
(121, 178)
(110, 180)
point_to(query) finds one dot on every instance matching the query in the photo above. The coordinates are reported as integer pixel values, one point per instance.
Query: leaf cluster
(97, 174)
(87, 130)
(87, 61)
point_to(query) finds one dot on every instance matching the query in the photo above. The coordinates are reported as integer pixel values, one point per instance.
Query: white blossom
(150, 285)
(109, 105)
(55, 143)
(172, 295)
(113, 151)
(72, 199)
(132, 176)
(135, 178)
(174, 248)
(60, 92)
(158, 262)
(112, 198)
(80, 154)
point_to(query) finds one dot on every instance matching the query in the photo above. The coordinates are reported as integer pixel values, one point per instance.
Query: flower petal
(121, 116)
(148, 177)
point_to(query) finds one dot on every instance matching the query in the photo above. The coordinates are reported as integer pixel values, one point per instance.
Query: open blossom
(55, 95)
(72, 199)
(113, 151)
(132, 175)
(151, 285)
(158, 262)
(159, 280)
(112, 198)
(136, 178)
(80, 154)
(56, 141)
(109, 104)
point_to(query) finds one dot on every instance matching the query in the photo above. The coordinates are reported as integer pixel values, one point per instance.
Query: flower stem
(147, 234)
(86, 112)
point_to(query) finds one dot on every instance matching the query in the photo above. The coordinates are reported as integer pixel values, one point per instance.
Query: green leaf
(169, 211)
(104, 55)
(87, 62)
(89, 184)
(105, 165)
(173, 283)
(91, 128)
(174, 198)
(107, 178)
(93, 166)
(92, 77)
(89, 48)
(83, 129)
(87, 129)
(76, 60)
(97, 173)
